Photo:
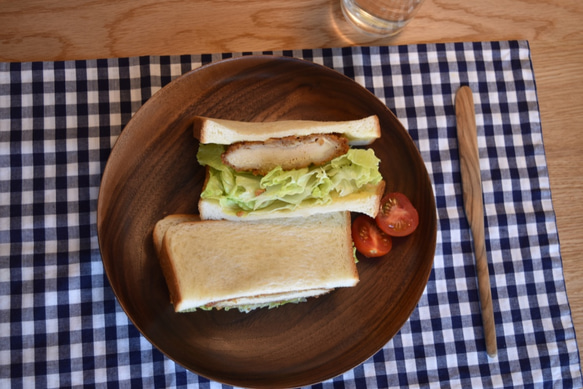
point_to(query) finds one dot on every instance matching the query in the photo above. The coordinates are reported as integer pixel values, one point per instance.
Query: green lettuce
(242, 192)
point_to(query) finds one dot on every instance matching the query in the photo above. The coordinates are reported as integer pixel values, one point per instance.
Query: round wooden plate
(153, 172)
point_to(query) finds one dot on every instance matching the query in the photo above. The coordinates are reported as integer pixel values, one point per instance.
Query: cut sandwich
(288, 168)
(251, 264)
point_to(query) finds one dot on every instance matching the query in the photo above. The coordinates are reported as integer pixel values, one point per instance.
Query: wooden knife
(474, 206)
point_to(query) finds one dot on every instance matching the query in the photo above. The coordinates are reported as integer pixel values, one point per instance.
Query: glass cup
(380, 17)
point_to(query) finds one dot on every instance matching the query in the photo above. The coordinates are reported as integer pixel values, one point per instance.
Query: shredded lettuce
(242, 192)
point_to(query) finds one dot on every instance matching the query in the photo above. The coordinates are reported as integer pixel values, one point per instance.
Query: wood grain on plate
(152, 172)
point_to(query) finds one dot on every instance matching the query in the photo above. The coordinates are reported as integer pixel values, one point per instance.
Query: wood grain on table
(86, 29)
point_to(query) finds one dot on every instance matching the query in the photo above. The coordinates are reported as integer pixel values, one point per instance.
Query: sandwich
(244, 265)
(292, 168)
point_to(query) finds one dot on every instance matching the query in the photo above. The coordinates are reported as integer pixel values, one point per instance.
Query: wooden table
(81, 29)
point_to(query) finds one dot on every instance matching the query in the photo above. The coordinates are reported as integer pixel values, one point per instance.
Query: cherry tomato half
(397, 216)
(369, 240)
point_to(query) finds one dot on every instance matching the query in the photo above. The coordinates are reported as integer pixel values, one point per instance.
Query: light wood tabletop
(83, 29)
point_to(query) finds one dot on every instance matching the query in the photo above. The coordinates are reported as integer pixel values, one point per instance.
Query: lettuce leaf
(240, 192)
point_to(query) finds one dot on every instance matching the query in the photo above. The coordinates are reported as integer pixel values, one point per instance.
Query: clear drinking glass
(380, 17)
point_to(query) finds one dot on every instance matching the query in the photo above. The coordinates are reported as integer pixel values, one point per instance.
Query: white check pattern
(61, 326)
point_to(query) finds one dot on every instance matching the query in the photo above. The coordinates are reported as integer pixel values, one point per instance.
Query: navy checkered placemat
(61, 326)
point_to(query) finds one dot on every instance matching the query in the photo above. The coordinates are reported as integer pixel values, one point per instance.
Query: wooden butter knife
(474, 206)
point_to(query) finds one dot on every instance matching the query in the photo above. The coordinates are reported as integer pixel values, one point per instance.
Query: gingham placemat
(61, 326)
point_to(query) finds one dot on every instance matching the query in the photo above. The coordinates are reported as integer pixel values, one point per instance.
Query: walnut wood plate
(152, 172)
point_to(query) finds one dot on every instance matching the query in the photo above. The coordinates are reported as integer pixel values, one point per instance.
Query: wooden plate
(152, 172)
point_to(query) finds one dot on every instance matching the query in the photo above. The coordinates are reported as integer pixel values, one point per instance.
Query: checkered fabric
(61, 326)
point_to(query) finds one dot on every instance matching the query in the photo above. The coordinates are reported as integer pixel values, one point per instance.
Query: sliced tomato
(397, 216)
(369, 240)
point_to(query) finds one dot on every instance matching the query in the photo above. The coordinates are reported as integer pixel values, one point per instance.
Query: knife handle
(474, 206)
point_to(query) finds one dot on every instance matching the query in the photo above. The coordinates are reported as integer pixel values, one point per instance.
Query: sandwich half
(293, 168)
(252, 264)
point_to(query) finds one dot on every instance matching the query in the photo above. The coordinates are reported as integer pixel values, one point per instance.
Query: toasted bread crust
(169, 272)
(348, 237)
(163, 225)
(198, 124)
(380, 191)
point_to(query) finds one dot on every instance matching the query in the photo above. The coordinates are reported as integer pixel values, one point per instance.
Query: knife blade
(474, 207)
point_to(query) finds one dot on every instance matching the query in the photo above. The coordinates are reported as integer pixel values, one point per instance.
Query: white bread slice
(211, 262)
(163, 225)
(366, 201)
(249, 303)
(359, 132)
